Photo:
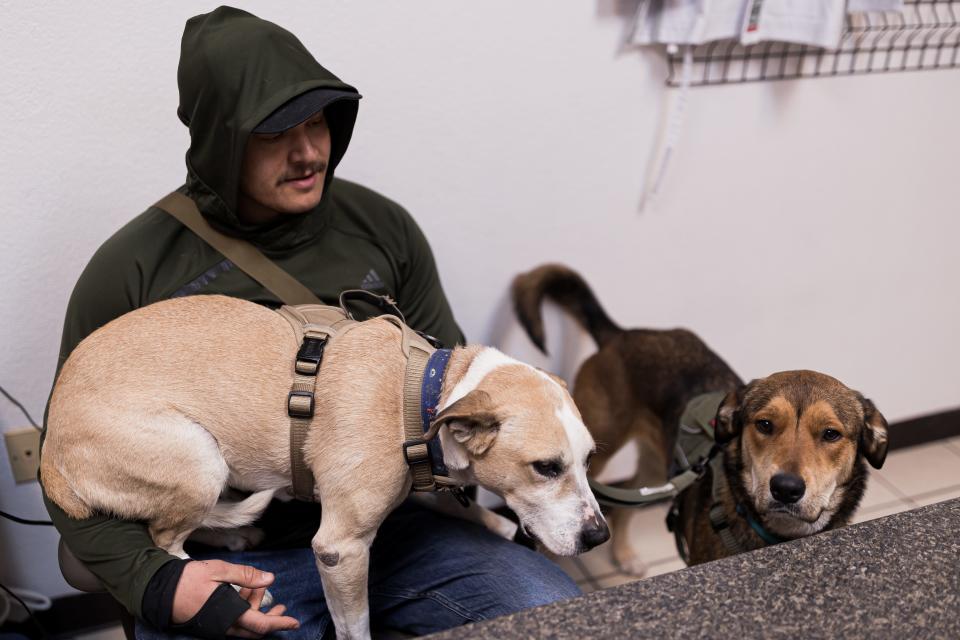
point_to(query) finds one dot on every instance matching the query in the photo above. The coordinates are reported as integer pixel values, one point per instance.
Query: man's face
(283, 173)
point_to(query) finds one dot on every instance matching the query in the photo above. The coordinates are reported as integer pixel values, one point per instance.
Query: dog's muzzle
(595, 533)
(787, 488)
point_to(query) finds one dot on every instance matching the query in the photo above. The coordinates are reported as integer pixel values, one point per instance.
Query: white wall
(803, 224)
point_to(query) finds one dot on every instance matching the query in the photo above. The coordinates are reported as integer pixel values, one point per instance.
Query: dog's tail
(229, 515)
(565, 287)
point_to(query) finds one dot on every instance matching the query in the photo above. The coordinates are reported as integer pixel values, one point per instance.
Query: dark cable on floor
(10, 516)
(21, 407)
(43, 633)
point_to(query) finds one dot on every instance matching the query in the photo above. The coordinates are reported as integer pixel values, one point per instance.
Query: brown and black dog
(793, 443)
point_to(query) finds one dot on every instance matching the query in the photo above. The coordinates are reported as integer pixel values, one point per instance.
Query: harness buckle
(420, 455)
(300, 404)
(700, 467)
(309, 356)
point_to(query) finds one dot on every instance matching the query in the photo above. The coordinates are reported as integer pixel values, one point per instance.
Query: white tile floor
(910, 478)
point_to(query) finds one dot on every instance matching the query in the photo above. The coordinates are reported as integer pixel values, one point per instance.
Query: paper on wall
(874, 5)
(688, 21)
(817, 23)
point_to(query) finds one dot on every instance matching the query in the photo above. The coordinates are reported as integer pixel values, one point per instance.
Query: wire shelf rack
(926, 35)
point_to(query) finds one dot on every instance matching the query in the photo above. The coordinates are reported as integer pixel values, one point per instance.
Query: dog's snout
(594, 534)
(787, 487)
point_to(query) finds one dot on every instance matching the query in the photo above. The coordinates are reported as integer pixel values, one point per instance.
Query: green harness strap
(699, 442)
(616, 497)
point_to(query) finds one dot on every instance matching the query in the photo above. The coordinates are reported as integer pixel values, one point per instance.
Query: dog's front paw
(630, 562)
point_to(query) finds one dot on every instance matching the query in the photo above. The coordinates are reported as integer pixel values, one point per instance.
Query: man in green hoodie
(268, 126)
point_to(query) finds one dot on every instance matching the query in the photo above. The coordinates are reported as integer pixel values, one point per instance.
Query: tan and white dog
(157, 413)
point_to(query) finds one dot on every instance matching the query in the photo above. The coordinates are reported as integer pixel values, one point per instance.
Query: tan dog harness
(314, 326)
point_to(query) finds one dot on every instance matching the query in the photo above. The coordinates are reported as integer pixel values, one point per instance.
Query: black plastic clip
(309, 356)
(701, 466)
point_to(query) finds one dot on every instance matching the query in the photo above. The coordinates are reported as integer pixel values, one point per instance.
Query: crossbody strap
(244, 255)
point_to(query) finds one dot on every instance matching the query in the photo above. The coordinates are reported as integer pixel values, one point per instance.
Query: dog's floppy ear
(471, 427)
(873, 437)
(727, 424)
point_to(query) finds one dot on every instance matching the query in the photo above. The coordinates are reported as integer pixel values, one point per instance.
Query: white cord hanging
(675, 106)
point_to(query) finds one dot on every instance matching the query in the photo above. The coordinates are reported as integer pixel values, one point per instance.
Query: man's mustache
(304, 172)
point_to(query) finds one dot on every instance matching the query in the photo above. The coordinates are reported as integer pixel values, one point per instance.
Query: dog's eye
(548, 468)
(765, 427)
(831, 435)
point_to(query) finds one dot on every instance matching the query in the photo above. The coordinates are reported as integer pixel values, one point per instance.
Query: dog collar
(429, 403)
(768, 537)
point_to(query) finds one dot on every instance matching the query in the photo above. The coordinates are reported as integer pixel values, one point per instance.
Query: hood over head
(235, 70)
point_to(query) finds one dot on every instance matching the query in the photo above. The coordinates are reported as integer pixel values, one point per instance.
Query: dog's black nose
(787, 487)
(592, 535)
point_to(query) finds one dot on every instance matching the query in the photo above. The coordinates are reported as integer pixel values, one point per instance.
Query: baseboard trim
(925, 429)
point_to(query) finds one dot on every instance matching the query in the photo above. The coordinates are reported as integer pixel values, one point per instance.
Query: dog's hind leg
(651, 471)
(595, 393)
(170, 533)
(164, 468)
(171, 540)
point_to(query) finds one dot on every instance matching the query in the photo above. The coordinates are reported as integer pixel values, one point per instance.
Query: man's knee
(528, 579)
(432, 558)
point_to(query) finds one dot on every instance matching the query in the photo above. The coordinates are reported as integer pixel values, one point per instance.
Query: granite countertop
(896, 577)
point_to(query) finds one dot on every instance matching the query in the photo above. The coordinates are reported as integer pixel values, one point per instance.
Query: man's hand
(201, 577)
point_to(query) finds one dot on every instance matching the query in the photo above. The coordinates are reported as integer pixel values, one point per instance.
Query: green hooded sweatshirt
(235, 69)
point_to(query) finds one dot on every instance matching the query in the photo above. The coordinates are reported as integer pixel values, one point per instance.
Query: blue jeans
(428, 572)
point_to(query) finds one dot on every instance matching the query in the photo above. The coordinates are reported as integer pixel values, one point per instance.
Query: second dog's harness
(694, 452)
(314, 327)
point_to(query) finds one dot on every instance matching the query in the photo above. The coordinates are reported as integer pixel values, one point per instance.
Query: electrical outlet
(23, 447)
